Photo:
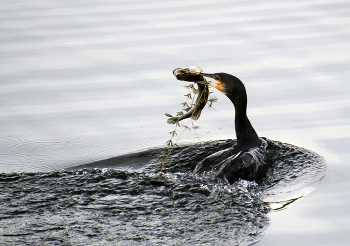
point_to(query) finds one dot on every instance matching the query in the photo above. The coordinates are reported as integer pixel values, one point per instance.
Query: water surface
(82, 82)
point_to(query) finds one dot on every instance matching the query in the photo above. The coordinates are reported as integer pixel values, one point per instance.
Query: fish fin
(187, 109)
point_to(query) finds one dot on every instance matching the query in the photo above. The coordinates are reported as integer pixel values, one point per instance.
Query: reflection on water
(82, 82)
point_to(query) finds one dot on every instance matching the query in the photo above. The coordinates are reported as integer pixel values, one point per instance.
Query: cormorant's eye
(216, 77)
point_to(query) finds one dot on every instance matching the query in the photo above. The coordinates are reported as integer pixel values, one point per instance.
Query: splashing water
(123, 201)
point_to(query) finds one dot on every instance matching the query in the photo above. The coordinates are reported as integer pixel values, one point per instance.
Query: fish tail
(173, 120)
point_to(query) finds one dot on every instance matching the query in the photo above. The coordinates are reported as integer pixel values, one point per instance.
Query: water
(139, 207)
(82, 82)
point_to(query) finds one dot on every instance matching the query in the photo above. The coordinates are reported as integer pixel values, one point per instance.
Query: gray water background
(82, 81)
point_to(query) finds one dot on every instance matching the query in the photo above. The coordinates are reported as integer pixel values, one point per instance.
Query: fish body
(195, 111)
(192, 74)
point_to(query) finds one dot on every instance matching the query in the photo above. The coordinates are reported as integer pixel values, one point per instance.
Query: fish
(192, 74)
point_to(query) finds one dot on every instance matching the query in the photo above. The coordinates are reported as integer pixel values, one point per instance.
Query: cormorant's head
(226, 83)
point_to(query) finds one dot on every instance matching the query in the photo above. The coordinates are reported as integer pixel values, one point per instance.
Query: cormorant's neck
(246, 135)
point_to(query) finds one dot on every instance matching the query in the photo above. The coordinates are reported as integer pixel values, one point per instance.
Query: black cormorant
(246, 160)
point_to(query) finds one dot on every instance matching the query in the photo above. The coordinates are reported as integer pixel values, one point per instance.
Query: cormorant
(246, 160)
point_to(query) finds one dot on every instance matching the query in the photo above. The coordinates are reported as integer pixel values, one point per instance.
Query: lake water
(87, 81)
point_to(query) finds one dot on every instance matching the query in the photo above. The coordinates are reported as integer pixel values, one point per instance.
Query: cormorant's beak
(207, 75)
(217, 85)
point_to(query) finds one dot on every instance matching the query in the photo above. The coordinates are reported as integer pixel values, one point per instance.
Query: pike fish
(192, 74)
